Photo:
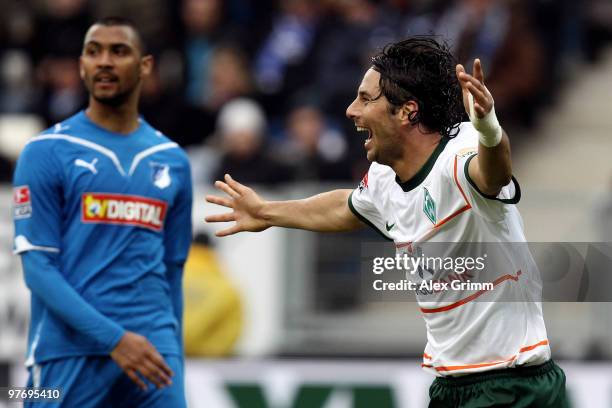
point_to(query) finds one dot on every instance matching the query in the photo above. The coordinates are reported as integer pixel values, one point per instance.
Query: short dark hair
(111, 21)
(422, 69)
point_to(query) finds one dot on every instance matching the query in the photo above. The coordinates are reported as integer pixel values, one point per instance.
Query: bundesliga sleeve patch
(466, 151)
(22, 202)
(123, 210)
(364, 183)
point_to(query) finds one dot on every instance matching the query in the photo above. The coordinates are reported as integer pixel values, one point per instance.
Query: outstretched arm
(491, 170)
(325, 212)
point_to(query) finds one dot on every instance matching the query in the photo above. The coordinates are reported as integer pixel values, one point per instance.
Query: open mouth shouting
(369, 136)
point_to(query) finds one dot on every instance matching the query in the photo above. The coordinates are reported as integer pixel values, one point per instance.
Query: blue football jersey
(115, 210)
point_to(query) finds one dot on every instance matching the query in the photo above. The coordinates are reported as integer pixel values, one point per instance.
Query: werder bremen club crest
(429, 206)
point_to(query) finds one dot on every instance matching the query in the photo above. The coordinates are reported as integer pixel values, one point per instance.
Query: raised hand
(247, 208)
(474, 85)
(138, 357)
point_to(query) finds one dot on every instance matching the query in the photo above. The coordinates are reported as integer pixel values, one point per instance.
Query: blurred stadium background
(259, 89)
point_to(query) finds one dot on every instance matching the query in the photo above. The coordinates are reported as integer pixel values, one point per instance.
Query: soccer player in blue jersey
(102, 208)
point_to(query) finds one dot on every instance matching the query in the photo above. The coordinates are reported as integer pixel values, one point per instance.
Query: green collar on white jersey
(421, 174)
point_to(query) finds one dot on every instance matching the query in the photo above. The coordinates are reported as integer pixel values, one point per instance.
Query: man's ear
(146, 65)
(81, 69)
(408, 113)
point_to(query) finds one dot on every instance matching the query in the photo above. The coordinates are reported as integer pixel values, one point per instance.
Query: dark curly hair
(423, 70)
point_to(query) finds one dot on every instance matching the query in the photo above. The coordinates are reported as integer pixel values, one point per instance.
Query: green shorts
(541, 386)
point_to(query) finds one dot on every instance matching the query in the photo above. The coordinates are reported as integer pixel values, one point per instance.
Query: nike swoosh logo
(389, 227)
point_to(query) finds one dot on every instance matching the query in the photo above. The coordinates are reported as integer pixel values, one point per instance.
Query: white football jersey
(468, 330)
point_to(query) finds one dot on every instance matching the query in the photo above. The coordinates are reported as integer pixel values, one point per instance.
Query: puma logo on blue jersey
(90, 166)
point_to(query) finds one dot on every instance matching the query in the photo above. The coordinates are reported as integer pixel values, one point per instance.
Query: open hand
(247, 208)
(137, 356)
(474, 85)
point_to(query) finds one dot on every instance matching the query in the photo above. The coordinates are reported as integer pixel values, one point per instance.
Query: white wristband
(489, 130)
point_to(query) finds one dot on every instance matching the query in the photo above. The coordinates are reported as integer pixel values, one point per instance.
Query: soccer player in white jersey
(435, 179)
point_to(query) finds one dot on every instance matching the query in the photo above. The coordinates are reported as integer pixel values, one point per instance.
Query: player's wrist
(488, 127)
(265, 214)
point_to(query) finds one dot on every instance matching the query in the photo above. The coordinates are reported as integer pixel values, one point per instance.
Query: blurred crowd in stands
(259, 88)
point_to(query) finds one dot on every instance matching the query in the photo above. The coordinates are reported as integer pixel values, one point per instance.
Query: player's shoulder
(53, 137)
(466, 137)
(161, 141)
(378, 177)
(153, 133)
(379, 171)
(68, 127)
(461, 146)
(47, 147)
(464, 143)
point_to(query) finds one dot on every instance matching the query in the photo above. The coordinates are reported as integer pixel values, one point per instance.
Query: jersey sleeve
(43, 278)
(37, 200)
(490, 207)
(177, 240)
(178, 228)
(37, 210)
(362, 204)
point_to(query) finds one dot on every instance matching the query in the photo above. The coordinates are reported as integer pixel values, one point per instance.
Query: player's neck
(419, 148)
(117, 119)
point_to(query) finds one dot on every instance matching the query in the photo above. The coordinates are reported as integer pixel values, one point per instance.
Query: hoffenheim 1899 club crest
(161, 175)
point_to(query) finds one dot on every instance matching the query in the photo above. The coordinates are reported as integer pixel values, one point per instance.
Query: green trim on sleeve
(364, 219)
(517, 187)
